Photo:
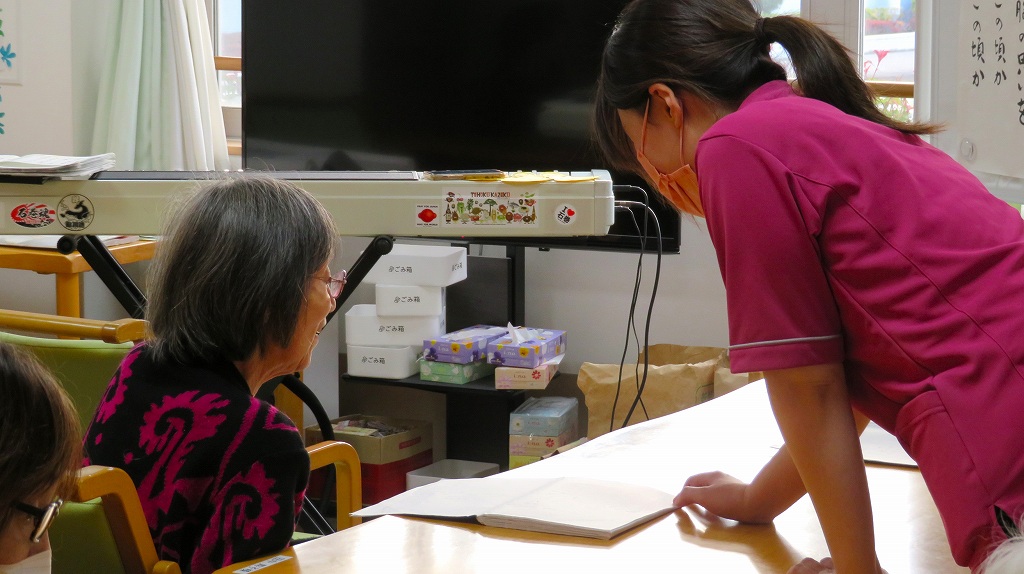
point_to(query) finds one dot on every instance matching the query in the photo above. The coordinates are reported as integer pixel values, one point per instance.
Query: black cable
(650, 309)
(632, 315)
(631, 324)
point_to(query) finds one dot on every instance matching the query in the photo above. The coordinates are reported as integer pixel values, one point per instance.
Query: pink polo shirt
(840, 240)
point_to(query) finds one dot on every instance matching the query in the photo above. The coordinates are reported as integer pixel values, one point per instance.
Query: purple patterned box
(464, 346)
(531, 348)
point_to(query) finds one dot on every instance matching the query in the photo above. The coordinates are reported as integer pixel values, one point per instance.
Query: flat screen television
(430, 85)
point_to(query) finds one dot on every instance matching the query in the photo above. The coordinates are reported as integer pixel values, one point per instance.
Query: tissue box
(516, 460)
(409, 300)
(455, 373)
(545, 416)
(465, 346)
(539, 445)
(449, 468)
(364, 327)
(535, 378)
(429, 265)
(383, 362)
(542, 346)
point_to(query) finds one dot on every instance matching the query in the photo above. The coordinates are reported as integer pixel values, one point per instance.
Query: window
(889, 37)
(228, 41)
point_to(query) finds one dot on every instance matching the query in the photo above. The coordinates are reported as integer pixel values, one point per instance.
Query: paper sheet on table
(571, 506)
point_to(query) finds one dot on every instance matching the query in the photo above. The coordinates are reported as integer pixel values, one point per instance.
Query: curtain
(158, 105)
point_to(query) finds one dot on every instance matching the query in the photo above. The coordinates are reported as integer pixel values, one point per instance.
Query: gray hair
(230, 274)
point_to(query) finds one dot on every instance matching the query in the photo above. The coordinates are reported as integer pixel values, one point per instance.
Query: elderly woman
(39, 453)
(239, 292)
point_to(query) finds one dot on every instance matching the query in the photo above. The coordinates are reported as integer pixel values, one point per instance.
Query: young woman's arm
(813, 410)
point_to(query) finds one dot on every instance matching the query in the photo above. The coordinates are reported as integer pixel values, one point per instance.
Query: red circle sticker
(33, 215)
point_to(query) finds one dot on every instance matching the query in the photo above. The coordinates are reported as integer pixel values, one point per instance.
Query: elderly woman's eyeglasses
(43, 516)
(335, 283)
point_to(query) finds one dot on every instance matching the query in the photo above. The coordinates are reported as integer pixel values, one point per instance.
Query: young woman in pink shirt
(867, 273)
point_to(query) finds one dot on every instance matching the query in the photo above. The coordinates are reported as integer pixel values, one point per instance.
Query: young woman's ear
(665, 105)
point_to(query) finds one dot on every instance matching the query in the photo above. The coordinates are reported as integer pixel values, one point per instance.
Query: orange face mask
(680, 186)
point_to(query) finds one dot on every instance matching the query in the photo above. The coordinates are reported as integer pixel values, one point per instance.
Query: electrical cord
(654, 291)
(631, 324)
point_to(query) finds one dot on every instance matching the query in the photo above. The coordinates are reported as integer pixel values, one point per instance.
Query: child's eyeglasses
(336, 282)
(43, 516)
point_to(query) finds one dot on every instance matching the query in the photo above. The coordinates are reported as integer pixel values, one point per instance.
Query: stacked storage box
(459, 357)
(539, 426)
(384, 339)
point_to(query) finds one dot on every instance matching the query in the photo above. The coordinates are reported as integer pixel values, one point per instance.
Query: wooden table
(67, 268)
(735, 433)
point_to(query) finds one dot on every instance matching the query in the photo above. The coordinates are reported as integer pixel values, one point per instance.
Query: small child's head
(1008, 557)
(40, 450)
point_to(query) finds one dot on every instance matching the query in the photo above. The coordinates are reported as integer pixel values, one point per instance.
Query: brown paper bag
(679, 377)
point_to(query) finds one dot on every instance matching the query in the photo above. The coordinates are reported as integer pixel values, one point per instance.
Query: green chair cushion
(83, 366)
(74, 551)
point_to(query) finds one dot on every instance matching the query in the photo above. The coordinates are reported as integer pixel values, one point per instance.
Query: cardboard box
(447, 469)
(464, 346)
(519, 378)
(537, 445)
(409, 300)
(364, 327)
(429, 265)
(545, 416)
(383, 362)
(543, 345)
(455, 373)
(384, 461)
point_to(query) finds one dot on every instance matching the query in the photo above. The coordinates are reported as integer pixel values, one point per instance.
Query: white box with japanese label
(426, 265)
(408, 300)
(364, 327)
(383, 362)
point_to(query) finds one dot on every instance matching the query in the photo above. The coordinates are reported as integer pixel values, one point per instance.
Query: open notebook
(570, 506)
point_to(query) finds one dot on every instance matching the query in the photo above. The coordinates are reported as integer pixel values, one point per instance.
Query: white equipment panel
(362, 203)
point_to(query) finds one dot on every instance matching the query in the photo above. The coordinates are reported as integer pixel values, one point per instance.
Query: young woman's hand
(720, 494)
(812, 566)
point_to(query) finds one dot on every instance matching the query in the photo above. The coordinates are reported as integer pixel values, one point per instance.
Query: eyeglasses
(336, 282)
(44, 516)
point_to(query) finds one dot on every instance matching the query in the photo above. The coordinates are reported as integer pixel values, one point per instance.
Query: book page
(581, 507)
(573, 506)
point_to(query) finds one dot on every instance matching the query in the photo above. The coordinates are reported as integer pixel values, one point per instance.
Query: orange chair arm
(119, 331)
(124, 514)
(349, 481)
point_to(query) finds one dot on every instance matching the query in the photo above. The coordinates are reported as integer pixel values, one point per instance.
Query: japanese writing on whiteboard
(991, 84)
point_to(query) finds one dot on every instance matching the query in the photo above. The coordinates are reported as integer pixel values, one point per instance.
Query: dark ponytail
(717, 50)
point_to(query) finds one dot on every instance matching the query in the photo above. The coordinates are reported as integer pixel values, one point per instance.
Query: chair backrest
(83, 366)
(103, 528)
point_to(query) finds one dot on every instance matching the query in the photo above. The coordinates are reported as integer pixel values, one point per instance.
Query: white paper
(574, 506)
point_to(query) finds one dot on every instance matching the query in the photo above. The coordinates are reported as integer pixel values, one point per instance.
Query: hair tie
(759, 36)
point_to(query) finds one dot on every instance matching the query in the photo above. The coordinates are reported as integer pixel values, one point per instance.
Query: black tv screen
(431, 85)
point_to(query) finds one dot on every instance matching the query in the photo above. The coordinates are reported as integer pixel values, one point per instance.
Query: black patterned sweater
(220, 474)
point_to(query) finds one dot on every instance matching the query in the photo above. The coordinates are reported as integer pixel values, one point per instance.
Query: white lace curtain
(159, 105)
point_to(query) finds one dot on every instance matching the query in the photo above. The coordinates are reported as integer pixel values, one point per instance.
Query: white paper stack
(42, 165)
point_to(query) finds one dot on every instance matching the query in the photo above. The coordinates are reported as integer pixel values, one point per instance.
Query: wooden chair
(103, 529)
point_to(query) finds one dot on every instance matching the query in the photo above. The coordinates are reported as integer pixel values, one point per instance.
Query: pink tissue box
(520, 378)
